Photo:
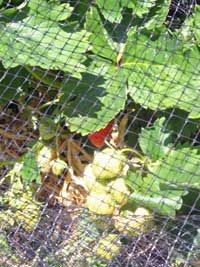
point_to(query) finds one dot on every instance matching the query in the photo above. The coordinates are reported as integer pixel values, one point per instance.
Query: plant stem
(52, 102)
(132, 150)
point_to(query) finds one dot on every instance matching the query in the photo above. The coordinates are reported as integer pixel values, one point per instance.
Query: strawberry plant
(106, 107)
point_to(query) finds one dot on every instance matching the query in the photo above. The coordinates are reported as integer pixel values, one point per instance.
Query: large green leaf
(102, 44)
(147, 192)
(179, 125)
(160, 72)
(157, 17)
(30, 171)
(180, 169)
(13, 13)
(14, 82)
(154, 140)
(112, 10)
(139, 7)
(144, 184)
(193, 22)
(43, 44)
(161, 75)
(50, 10)
(196, 21)
(98, 99)
(166, 203)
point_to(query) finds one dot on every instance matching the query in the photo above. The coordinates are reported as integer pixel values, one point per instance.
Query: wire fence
(99, 133)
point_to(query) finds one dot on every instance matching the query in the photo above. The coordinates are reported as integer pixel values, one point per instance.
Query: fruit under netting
(99, 133)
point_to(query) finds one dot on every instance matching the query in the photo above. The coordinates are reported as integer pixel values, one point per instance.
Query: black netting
(99, 133)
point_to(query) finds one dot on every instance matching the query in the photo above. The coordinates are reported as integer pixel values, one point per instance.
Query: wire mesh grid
(99, 133)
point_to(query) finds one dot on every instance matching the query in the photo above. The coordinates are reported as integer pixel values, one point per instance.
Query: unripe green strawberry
(99, 188)
(47, 128)
(100, 203)
(108, 247)
(89, 179)
(44, 157)
(108, 164)
(119, 191)
(142, 212)
(134, 223)
(58, 166)
(90, 182)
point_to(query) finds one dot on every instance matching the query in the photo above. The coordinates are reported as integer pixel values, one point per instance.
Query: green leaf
(154, 140)
(13, 83)
(47, 128)
(98, 99)
(147, 192)
(102, 44)
(157, 16)
(29, 170)
(179, 124)
(113, 11)
(79, 11)
(166, 203)
(193, 22)
(160, 75)
(51, 11)
(196, 23)
(110, 10)
(179, 169)
(139, 7)
(43, 44)
(191, 199)
(144, 184)
(14, 13)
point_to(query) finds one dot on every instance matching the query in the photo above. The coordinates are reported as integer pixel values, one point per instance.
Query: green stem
(109, 145)
(44, 78)
(132, 150)
(52, 102)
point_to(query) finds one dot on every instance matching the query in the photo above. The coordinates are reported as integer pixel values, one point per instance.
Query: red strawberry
(98, 138)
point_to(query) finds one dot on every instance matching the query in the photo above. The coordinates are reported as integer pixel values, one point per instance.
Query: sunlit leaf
(154, 140)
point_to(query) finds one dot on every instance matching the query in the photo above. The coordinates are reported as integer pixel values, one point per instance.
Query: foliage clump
(106, 102)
